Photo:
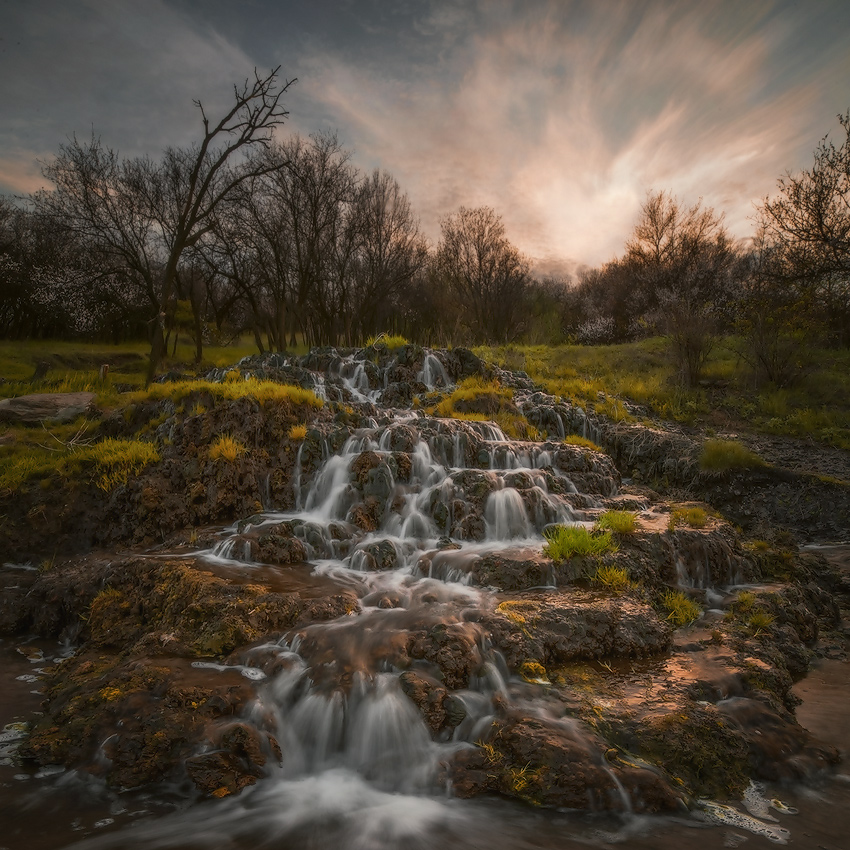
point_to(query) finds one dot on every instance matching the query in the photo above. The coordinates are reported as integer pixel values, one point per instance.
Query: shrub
(682, 610)
(721, 456)
(620, 522)
(566, 541)
(692, 517)
(227, 448)
(297, 432)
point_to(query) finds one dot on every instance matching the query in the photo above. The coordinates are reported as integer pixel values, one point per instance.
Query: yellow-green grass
(297, 433)
(719, 456)
(393, 342)
(620, 522)
(567, 541)
(108, 463)
(695, 517)
(228, 390)
(227, 448)
(471, 389)
(583, 442)
(643, 372)
(681, 609)
(611, 578)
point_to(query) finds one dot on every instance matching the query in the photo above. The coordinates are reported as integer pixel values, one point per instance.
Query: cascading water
(401, 517)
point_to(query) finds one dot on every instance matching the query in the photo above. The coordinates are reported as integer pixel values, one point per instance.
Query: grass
(297, 433)
(227, 448)
(566, 541)
(620, 522)
(611, 578)
(682, 610)
(475, 391)
(582, 442)
(720, 456)
(229, 390)
(758, 621)
(393, 343)
(692, 517)
(108, 463)
(642, 372)
(478, 400)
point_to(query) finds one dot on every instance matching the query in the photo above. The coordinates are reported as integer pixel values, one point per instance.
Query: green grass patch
(611, 578)
(475, 391)
(719, 456)
(566, 541)
(620, 522)
(582, 442)
(681, 609)
(643, 372)
(108, 463)
(263, 391)
(692, 517)
(393, 342)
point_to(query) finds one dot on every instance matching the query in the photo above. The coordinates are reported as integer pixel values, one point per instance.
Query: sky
(560, 114)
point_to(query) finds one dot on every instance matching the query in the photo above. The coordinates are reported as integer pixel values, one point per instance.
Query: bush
(566, 541)
(719, 456)
(390, 342)
(620, 522)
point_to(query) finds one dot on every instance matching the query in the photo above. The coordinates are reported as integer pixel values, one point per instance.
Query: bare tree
(683, 259)
(391, 250)
(810, 220)
(486, 271)
(148, 214)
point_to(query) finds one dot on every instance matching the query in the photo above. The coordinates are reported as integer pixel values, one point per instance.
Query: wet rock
(429, 696)
(556, 627)
(779, 749)
(557, 763)
(452, 648)
(147, 716)
(277, 549)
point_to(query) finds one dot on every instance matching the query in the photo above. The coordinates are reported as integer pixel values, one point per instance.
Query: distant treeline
(284, 238)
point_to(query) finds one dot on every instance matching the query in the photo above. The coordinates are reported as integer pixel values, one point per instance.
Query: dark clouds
(561, 115)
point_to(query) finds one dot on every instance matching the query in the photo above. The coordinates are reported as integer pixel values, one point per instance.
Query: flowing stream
(360, 767)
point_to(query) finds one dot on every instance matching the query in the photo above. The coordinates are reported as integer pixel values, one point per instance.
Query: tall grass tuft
(620, 522)
(719, 456)
(566, 541)
(227, 448)
(682, 610)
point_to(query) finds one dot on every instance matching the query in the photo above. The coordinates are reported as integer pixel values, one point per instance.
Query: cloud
(564, 122)
(560, 114)
(123, 70)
